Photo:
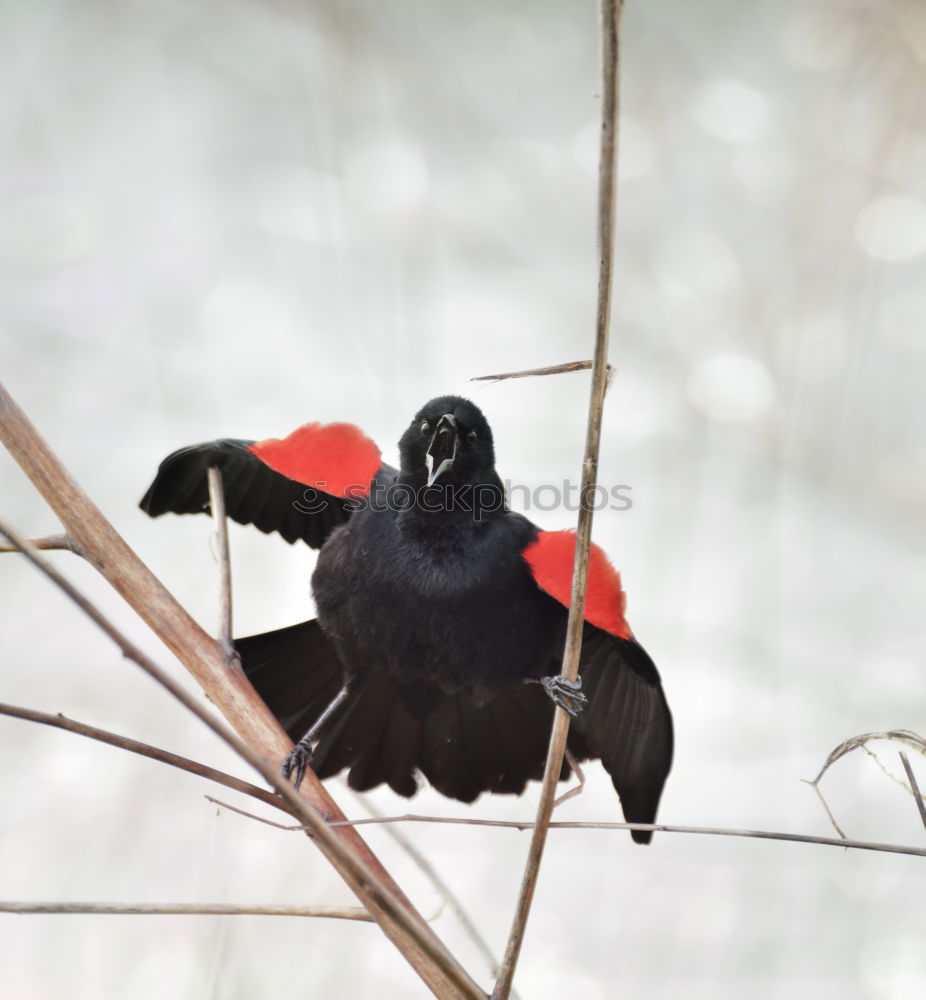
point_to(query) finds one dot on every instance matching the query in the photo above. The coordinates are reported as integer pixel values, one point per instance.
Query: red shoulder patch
(338, 459)
(551, 557)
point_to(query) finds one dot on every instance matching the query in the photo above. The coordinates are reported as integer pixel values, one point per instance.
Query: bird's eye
(425, 428)
(471, 437)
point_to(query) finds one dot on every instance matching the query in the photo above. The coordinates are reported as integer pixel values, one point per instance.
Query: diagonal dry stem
(378, 899)
(260, 738)
(610, 37)
(223, 557)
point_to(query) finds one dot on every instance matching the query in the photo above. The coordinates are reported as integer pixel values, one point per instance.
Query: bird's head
(448, 442)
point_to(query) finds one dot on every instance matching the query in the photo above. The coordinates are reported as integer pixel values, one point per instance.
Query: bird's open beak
(443, 449)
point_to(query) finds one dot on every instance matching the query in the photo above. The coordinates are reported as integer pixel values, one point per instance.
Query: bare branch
(610, 40)
(188, 909)
(49, 543)
(401, 923)
(217, 506)
(914, 787)
(60, 721)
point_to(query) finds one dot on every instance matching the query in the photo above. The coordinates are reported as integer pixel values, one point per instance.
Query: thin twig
(914, 787)
(217, 506)
(378, 899)
(610, 39)
(237, 784)
(288, 827)
(49, 543)
(522, 825)
(569, 366)
(190, 909)
(826, 807)
(144, 750)
(710, 831)
(904, 736)
(231, 693)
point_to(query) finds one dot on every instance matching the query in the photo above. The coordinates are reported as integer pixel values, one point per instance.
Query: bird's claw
(296, 763)
(565, 694)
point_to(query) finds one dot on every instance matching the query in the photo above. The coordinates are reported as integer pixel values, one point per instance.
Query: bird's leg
(564, 693)
(302, 753)
(580, 777)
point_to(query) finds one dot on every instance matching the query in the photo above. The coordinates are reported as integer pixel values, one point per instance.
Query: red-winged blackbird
(435, 605)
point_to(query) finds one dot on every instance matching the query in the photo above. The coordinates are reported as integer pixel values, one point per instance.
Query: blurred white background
(225, 219)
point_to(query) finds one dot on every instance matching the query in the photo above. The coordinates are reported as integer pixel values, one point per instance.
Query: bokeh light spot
(731, 387)
(892, 227)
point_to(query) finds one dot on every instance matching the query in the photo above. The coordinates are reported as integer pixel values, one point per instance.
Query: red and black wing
(626, 721)
(302, 486)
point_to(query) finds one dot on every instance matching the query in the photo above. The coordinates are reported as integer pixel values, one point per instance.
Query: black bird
(436, 605)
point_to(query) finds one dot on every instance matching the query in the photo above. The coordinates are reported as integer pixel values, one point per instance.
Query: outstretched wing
(551, 556)
(302, 486)
(626, 722)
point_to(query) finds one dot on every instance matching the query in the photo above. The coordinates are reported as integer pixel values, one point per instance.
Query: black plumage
(431, 621)
(254, 493)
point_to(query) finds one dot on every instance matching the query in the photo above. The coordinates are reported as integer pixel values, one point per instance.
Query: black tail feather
(295, 670)
(462, 748)
(392, 758)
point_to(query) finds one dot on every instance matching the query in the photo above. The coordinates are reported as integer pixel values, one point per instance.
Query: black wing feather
(254, 493)
(626, 722)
